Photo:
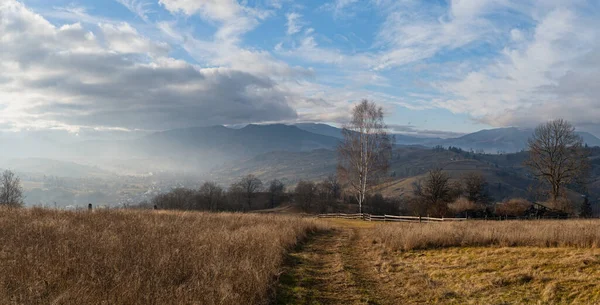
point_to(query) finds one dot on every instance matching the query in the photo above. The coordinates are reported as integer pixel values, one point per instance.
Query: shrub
(513, 207)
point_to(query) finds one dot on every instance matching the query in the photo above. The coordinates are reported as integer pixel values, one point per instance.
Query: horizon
(439, 69)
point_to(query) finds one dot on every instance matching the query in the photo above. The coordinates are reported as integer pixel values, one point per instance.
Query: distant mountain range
(496, 140)
(200, 150)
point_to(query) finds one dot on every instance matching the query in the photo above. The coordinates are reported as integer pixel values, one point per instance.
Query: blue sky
(439, 68)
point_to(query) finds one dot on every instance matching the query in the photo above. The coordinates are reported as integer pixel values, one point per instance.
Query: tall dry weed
(542, 233)
(142, 257)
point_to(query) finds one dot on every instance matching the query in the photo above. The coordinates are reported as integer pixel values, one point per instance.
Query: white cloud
(294, 24)
(340, 7)
(67, 78)
(551, 76)
(138, 7)
(123, 38)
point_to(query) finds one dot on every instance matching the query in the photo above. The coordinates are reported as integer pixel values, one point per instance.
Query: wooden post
(89, 206)
(419, 218)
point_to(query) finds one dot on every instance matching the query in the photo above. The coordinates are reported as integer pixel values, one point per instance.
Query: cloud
(339, 8)
(550, 75)
(138, 7)
(123, 38)
(294, 24)
(410, 130)
(68, 78)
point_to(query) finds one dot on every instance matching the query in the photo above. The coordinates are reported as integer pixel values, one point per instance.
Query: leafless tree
(476, 188)
(365, 151)
(329, 191)
(276, 190)
(306, 194)
(249, 186)
(177, 199)
(435, 192)
(11, 192)
(557, 155)
(211, 195)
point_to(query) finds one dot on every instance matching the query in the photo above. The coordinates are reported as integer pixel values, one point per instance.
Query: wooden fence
(390, 218)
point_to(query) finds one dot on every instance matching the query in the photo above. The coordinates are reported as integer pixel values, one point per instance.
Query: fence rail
(388, 218)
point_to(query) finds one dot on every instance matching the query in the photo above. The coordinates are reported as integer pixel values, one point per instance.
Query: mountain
(248, 141)
(51, 167)
(589, 138)
(509, 139)
(203, 148)
(492, 140)
(322, 129)
(328, 130)
(495, 140)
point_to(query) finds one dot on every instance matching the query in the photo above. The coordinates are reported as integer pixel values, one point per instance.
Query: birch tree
(557, 156)
(11, 192)
(365, 151)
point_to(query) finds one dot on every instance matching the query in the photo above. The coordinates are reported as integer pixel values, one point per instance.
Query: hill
(507, 140)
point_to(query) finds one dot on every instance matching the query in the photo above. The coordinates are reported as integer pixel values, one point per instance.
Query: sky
(438, 68)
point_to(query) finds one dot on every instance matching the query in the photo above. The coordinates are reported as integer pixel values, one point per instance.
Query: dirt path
(325, 271)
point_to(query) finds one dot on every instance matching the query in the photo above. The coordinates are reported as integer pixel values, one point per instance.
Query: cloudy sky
(437, 67)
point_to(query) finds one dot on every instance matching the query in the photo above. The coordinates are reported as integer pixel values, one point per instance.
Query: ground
(345, 266)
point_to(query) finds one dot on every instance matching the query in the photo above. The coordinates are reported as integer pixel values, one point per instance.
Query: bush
(464, 207)
(513, 207)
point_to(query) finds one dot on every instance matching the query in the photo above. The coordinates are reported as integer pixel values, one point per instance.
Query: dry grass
(486, 275)
(543, 233)
(509, 262)
(142, 257)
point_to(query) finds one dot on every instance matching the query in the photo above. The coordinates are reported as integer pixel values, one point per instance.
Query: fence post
(419, 218)
(89, 206)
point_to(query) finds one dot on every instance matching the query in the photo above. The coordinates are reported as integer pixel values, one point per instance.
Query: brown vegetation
(513, 207)
(546, 233)
(142, 257)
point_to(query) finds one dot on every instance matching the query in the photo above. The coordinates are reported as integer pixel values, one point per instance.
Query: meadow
(484, 262)
(472, 262)
(166, 257)
(143, 257)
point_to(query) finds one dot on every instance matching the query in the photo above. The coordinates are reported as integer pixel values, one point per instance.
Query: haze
(116, 101)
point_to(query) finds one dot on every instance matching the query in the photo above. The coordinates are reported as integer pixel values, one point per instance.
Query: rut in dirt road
(323, 271)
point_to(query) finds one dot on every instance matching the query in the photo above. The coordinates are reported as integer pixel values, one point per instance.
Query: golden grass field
(143, 257)
(156, 257)
(509, 262)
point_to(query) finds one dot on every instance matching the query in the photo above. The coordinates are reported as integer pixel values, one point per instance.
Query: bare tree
(249, 186)
(476, 188)
(276, 190)
(211, 195)
(306, 194)
(177, 199)
(435, 192)
(329, 191)
(365, 151)
(11, 192)
(557, 155)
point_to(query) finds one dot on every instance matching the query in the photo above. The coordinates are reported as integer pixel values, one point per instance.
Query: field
(143, 257)
(156, 257)
(510, 262)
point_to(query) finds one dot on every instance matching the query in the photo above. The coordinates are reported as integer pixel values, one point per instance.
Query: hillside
(506, 175)
(496, 140)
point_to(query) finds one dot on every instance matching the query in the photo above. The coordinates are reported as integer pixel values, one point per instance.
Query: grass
(143, 257)
(545, 233)
(487, 275)
(511, 262)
